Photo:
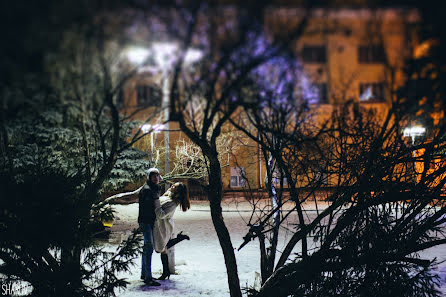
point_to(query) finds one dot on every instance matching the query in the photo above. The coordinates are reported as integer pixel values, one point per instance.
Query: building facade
(346, 54)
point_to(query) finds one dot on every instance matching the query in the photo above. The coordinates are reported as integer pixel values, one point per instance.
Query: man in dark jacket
(146, 218)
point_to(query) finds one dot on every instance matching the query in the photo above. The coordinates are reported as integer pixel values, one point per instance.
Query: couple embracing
(156, 223)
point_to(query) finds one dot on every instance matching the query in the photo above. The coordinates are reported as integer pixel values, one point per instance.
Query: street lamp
(137, 55)
(413, 132)
(164, 57)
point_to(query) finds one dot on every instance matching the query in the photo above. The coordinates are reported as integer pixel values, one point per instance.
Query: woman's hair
(180, 194)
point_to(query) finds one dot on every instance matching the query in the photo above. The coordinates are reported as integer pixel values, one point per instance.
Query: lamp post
(413, 132)
(164, 56)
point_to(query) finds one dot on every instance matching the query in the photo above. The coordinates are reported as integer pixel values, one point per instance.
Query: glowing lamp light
(165, 53)
(414, 131)
(137, 55)
(146, 128)
(158, 127)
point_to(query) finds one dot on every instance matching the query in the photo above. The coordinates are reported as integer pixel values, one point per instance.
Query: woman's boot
(166, 271)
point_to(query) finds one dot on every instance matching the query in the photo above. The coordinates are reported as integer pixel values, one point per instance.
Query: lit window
(371, 54)
(372, 92)
(148, 96)
(314, 54)
(237, 177)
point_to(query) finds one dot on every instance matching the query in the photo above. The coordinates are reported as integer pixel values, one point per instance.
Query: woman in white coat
(163, 227)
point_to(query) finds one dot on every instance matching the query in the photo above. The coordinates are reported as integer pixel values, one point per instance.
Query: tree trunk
(215, 195)
(264, 260)
(71, 265)
(268, 255)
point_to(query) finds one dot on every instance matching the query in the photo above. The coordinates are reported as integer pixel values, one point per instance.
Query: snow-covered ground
(200, 267)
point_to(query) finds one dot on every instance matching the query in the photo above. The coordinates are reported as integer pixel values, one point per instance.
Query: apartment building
(346, 54)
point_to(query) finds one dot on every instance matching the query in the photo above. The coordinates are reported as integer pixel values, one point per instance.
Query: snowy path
(200, 268)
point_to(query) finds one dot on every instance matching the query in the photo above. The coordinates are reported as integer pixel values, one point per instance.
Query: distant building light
(414, 131)
(424, 48)
(372, 92)
(367, 94)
